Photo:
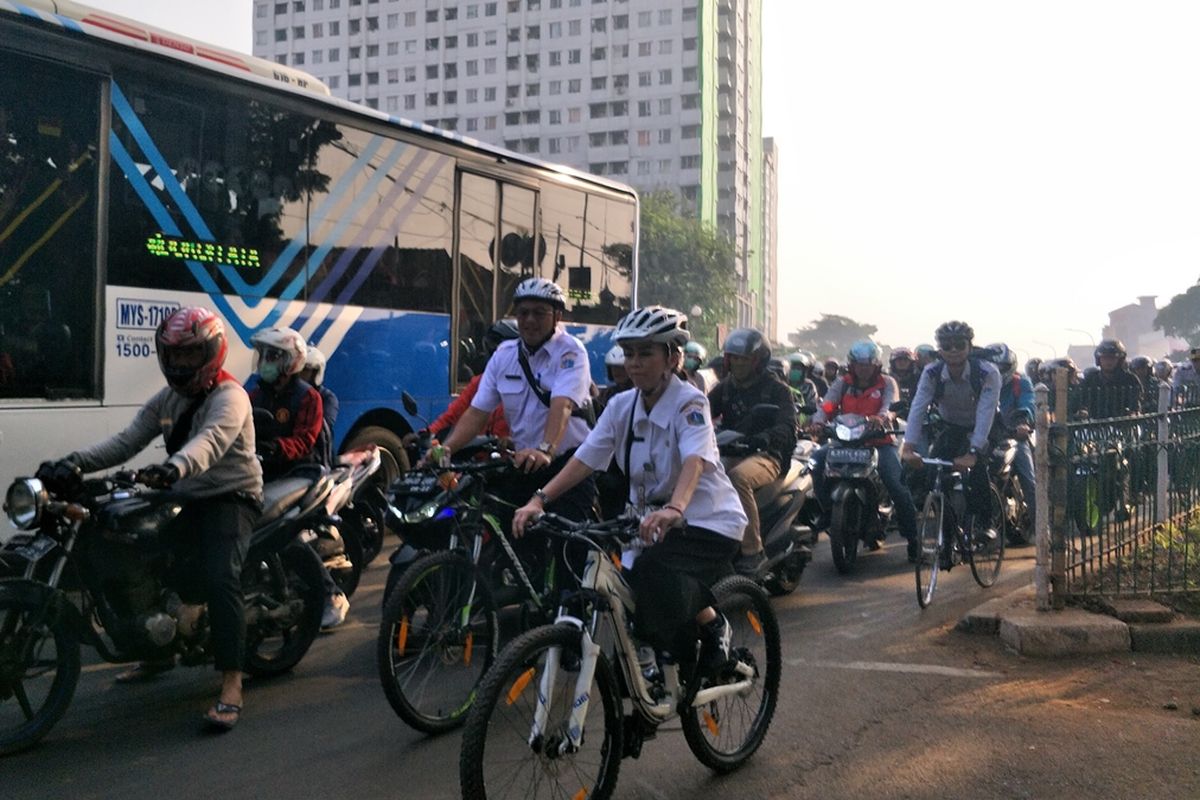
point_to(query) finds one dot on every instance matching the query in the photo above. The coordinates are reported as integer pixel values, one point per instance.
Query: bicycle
(949, 534)
(440, 628)
(532, 731)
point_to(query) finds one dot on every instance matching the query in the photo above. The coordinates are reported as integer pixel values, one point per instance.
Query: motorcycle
(1003, 476)
(787, 511)
(111, 540)
(861, 510)
(340, 537)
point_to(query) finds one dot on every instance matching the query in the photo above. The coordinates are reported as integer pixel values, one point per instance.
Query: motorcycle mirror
(409, 403)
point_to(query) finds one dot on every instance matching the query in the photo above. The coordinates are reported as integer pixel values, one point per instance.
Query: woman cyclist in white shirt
(661, 434)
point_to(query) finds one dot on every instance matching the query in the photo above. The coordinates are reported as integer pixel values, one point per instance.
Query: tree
(831, 335)
(1181, 316)
(685, 263)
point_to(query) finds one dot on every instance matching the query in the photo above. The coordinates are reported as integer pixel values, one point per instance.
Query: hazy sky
(1026, 166)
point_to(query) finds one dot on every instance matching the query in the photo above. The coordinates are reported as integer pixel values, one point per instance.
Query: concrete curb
(1074, 631)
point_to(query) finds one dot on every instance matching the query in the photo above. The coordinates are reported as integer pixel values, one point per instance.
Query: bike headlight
(850, 433)
(24, 503)
(422, 514)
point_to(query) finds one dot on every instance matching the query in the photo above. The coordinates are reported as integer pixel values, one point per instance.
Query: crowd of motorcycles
(91, 566)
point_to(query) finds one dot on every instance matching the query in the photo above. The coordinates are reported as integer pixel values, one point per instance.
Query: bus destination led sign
(165, 246)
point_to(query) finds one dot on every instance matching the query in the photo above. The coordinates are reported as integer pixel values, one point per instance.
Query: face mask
(796, 376)
(268, 372)
(692, 364)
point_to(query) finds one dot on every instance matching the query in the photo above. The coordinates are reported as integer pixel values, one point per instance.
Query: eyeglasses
(950, 345)
(536, 313)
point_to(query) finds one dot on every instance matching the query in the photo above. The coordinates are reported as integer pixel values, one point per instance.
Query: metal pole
(1060, 464)
(1161, 510)
(1041, 569)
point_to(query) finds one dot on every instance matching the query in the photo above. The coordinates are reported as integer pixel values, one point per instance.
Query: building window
(664, 136)
(574, 86)
(690, 74)
(555, 116)
(489, 123)
(689, 162)
(450, 70)
(451, 13)
(472, 40)
(664, 77)
(574, 27)
(665, 47)
(533, 31)
(620, 108)
(643, 108)
(355, 52)
(318, 30)
(599, 24)
(334, 54)
(597, 110)
(643, 138)
(489, 94)
(355, 79)
(645, 49)
(472, 95)
(431, 98)
(645, 78)
(645, 18)
(431, 72)
(355, 26)
(664, 16)
(599, 53)
(555, 58)
(555, 87)
(664, 105)
(450, 98)
(281, 34)
(431, 15)
(514, 34)
(533, 89)
(489, 66)
(472, 124)
(689, 44)
(393, 76)
(621, 22)
(574, 115)
(472, 68)
(574, 56)
(512, 118)
(531, 62)
(689, 14)
(597, 139)
(335, 27)
(599, 83)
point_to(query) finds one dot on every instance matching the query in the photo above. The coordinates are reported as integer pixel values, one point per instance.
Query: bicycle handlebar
(623, 528)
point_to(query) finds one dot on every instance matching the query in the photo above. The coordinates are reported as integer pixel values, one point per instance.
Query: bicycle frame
(603, 581)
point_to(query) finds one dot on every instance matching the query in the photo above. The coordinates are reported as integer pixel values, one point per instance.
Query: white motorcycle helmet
(278, 352)
(315, 360)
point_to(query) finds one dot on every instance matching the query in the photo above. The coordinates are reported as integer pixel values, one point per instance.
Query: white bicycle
(564, 703)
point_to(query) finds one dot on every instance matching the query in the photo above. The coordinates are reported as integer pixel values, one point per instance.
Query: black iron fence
(1125, 513)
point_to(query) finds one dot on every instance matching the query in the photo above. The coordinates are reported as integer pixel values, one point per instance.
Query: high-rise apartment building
(661, 94)
(770, 238)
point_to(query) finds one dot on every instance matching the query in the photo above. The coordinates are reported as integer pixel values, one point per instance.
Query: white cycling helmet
(289, 342)
(615, 357)
(540, 289)
(655, 323)
(315, 360)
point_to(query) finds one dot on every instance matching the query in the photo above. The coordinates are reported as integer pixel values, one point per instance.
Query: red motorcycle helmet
(191, 347)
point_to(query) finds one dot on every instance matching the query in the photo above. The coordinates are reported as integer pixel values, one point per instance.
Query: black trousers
(211, 537)
(672, 582)
(950, 443)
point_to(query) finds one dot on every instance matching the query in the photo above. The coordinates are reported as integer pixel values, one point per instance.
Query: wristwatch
(975, 451)
(547, 448)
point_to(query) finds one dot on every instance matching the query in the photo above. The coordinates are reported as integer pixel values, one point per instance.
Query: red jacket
(868, 402)
(497, 425)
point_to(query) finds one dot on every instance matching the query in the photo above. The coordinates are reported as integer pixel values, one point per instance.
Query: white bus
(141, 171)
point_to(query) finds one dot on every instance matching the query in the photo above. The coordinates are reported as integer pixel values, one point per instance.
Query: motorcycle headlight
(24, 503)
(422, 514)
(850, 433)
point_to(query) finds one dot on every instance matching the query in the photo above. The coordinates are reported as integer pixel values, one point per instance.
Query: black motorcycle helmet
(747, 342)
(500, 331)
(1110, 347)
(1141, 363)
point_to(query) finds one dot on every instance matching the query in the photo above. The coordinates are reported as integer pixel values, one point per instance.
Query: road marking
(886, 666)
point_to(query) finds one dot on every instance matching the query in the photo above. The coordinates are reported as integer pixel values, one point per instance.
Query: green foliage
(831, 335)
(684, 263)
(1181, 316)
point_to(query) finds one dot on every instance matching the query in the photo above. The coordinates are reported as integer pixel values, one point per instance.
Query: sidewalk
(1137, 625)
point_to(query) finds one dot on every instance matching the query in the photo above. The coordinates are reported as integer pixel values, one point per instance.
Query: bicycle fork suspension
(590, 654)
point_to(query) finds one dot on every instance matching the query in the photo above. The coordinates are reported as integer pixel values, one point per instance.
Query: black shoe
(715, 642)
(914, 550)
(749, 564)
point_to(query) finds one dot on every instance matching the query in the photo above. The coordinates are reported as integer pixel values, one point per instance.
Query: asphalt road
(878, 698)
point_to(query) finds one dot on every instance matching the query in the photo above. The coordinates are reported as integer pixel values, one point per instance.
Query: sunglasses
(953, 344)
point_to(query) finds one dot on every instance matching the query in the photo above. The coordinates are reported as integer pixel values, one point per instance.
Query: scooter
(787, 509)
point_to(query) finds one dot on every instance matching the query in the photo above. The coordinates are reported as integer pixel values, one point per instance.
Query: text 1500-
(134, 349)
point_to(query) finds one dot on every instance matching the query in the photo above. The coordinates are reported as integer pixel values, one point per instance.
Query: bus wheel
(395, 460)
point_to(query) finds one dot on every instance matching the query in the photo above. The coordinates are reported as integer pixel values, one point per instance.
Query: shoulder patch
(693, 412)
(568, 361)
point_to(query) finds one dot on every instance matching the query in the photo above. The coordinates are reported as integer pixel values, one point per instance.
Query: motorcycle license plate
(849, 455)
(416, 484)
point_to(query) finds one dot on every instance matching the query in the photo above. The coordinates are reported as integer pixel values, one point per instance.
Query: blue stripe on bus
(69, 23)
(253, 293)
(173, 187)
(347, 217)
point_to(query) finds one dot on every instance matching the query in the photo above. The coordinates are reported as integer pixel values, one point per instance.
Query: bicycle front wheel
(501, 755)
(930, 558)
(724, 733)
(985, 542)
(438, 636)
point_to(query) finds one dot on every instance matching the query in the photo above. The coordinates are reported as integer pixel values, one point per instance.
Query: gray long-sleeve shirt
(958, 405)
(218, 456)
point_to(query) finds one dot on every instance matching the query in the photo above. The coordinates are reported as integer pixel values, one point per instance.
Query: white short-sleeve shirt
(560, 366)
(678, 426)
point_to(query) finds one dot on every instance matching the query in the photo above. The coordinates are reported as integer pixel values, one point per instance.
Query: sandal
(223, 708)
(145, 671)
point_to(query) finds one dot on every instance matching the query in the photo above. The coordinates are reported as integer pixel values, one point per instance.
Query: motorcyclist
(661, 435)
(1163, 370)
(902, 366)
(694, 357)
(1111, 391)
(965, 390)
(314, 374)
(295, 407)
(1143, 369)
(833, 370)
(204, 416)
(1185, 383)
(1033, 370)
(749, 384)
(1049, 370)
(817, 376)
(297, 417)
(865, 390)
(803, 389)
(1016, 419)
(925, 355)
(496, 425)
